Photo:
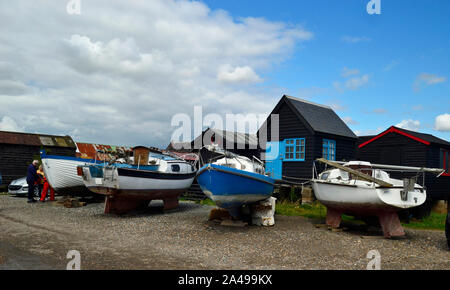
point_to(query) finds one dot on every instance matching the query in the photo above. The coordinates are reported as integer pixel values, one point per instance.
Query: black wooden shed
(399, 146)
(307, 131)
(17, 151)
(239, 143)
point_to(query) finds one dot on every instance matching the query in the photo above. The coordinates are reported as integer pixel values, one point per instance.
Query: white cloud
(356, 82)
(12, 88)
(355, 39)
(409, 124)
(428, 79)
(118, 78)
(350, 121)
(346, 72)
(369, 131)
(353, 80)
(390, 66)
(243, 74)
(380, 111)
(8, 124)
(442, 123)
(431, 79)
(336, 105)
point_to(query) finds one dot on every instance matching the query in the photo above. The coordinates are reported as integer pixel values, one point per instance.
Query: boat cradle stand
(116, 204)
(389, 221)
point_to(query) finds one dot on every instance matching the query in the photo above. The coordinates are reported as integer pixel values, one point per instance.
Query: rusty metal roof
(100, 151)
(16, 138)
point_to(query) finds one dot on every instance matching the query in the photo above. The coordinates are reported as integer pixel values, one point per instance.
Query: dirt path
(38, 236)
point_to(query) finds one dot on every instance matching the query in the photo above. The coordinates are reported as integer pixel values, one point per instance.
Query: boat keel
(390, 223)
(170, 203)
(334, 218)
(121, 205)
(117, 205)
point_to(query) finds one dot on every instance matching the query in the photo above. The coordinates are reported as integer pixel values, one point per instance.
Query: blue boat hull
(231, 188)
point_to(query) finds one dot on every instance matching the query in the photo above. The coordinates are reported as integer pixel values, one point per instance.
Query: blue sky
(408, 42)
(118, 72)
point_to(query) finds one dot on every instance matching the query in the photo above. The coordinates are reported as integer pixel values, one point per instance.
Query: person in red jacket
(41, 179)
(45, 188)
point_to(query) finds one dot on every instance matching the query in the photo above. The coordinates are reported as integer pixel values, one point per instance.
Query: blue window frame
(329, 149)
(294, 149)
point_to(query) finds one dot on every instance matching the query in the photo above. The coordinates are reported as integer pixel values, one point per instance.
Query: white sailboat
(364, 189)
(129, 186)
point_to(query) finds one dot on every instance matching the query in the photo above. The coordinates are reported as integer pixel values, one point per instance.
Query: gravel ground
(38, 236)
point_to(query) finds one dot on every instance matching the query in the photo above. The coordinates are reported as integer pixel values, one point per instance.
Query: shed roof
(417, 136)
(18, 138)
(239, 138)
(321, 118)
(100, 151)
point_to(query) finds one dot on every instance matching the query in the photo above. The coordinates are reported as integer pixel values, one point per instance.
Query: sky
(119, 71)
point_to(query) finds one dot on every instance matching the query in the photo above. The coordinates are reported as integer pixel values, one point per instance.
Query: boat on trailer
(364, 189)
(61, 173)
(127, 187)
(232, 181)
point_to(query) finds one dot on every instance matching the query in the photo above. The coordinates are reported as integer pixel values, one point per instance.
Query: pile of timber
(70, 202)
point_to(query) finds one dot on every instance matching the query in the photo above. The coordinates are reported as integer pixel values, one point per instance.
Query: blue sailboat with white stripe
(234, 181)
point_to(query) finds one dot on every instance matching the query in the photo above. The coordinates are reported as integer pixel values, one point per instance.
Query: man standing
(32, 177)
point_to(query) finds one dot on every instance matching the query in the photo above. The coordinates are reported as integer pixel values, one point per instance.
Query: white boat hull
(134, 186)
(62, 175)
(128, 189)
(365, 197)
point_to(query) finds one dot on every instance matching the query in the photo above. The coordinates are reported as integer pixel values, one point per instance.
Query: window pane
(303, 141)
(297, 148)
(297, 155)
(302, 156)
(287, 156)
(297, 141)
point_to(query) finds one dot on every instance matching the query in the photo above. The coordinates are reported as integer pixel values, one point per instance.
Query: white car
(20, 187)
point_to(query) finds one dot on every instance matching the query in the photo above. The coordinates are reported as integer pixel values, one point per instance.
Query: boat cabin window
(324, 176)
(175, 168)
(361, 168)
(329, 149)
(294, 149)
